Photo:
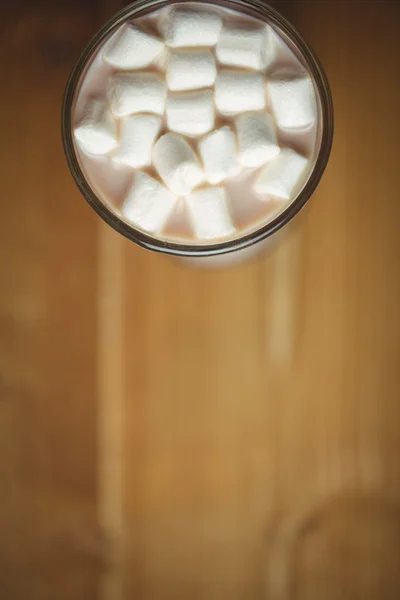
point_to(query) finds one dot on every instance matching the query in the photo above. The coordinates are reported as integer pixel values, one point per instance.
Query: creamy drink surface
(192, 135)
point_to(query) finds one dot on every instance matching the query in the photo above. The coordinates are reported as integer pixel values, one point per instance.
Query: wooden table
(170, 433)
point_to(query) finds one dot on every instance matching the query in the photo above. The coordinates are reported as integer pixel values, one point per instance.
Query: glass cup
(243, 245)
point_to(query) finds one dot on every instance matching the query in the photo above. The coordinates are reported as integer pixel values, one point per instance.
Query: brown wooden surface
(171, 433)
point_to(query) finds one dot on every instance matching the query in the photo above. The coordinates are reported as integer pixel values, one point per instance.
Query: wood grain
(172, 432)
(51, 545)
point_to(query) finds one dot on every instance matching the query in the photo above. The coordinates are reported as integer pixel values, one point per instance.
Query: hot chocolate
(196, 124)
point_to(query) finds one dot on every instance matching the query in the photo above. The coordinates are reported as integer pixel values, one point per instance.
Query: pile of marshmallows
(202, 69)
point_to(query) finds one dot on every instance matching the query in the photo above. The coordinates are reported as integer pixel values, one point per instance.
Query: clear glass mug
(244, 245)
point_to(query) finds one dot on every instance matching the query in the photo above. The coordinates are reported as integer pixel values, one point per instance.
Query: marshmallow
(138, 134)
(209, 213)
(239, 91)
(218, 152)
(277, 52)
(177, 164)
(279, 177)
(242, 46)
(191, 113)
(185, 27)
(137, 92)
(97, 130)
(132, 48)
(190, 69)
(274, 48)
(257, 139)
(292, 99)
(148, 203)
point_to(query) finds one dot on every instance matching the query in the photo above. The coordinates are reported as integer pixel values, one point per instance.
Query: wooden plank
(249, 397)
(50, 541)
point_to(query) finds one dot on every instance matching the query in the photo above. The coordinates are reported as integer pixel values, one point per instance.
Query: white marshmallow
(137, 92)
(242, 46)
(132, 48)
(187, 28)
(239, 91)
(257, 139)
(190, 69)
(218, 152)
(148, 203)
(137, 136)
(274, 48)
(277, 52)
(190, 113)
(177, 164)
(292, 99)
(280, 177)
(97, 130)
(209, 213)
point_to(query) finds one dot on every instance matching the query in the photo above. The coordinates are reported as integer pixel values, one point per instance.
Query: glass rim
(256, 9)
